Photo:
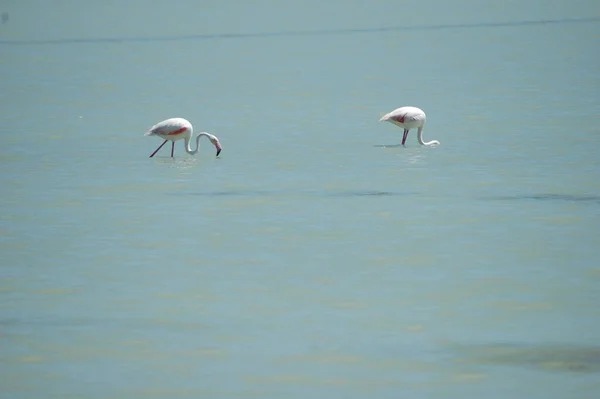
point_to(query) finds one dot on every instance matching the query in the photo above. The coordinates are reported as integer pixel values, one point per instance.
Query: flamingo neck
(420, 138)
(188, 139)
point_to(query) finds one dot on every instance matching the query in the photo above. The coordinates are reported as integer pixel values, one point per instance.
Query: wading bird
(409, 118)
(176, 129)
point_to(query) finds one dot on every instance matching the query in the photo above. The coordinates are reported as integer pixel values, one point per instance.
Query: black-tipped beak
(218, 151)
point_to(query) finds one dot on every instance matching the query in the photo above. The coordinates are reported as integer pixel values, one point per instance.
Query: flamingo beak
(218, 151)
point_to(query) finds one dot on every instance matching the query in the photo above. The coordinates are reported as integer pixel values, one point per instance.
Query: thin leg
(159, 147)
(405, 136)
(172, 148)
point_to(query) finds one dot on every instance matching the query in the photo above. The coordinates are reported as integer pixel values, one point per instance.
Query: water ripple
(318, 32)
(550, 197)
(311, 193)
(552, 357)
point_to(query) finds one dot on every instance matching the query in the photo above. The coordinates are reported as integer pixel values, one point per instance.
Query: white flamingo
(176, 129)
(409, 118)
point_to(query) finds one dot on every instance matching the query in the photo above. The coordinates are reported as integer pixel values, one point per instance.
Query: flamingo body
(174, 129)
(409, 118)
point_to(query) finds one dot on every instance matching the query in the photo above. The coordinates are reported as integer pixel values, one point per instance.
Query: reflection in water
(179, 163)
(558, 357)
(412, 158)
(388, 145)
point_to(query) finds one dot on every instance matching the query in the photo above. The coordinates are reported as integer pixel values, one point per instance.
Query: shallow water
(315, 256)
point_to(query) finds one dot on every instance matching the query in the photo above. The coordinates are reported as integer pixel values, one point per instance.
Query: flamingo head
(215, 141)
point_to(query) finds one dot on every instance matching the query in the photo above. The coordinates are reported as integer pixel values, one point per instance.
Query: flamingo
(409, 118)
(176, 129)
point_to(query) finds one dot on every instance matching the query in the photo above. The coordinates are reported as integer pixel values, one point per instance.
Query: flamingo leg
(172, 148)
(159, 147)
(405, 136)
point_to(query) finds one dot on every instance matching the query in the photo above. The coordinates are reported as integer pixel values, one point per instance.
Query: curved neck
(420, 138)
(188, 138)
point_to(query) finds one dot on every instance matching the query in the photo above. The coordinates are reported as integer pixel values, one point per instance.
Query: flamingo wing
(394, 115)
(414, 117)
(168, 126)
(405, 115)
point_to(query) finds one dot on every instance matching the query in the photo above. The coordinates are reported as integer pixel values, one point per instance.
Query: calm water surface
(316, 257)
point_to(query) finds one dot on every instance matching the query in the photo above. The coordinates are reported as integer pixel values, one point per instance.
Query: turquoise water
(315, 257)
